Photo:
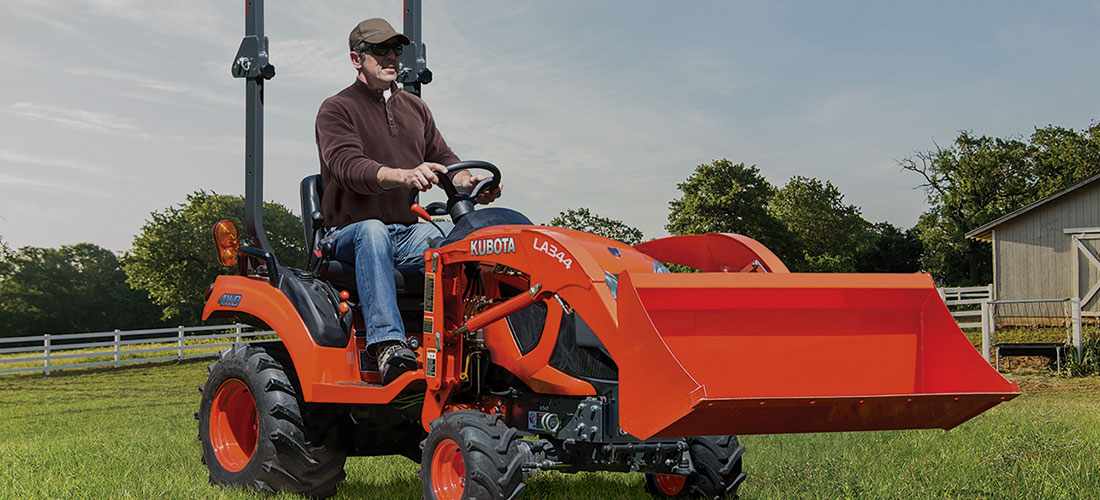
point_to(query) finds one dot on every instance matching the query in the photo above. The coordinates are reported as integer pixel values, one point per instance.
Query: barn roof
(985, 233)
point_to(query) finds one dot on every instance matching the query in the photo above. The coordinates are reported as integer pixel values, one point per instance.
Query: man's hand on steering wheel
(421, 178)
(466, 182)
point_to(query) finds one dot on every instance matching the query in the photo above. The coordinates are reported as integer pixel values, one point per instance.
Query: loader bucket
(762, 353)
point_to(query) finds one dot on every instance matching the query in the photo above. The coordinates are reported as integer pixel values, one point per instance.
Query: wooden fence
(49, 353)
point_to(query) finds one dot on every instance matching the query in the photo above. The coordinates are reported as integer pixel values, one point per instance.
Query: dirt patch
(1042, 381)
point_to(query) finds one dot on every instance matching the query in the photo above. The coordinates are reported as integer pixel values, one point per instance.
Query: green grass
(129, 433)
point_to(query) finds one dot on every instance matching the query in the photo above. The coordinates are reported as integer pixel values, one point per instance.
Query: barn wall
(1033, 252)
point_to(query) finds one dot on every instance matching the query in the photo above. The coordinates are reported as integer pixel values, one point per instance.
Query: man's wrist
(386, 178)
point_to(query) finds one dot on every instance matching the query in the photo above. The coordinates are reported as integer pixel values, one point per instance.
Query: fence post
(987, 321)
(1075, 310)
(117, 339)
(46, 349)
(237, 327)
(180, 344)
(943, 294)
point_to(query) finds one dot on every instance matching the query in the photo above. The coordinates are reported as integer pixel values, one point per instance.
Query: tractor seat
(409, 279)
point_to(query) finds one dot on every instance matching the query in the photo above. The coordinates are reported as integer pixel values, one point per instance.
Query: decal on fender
(492, 246)
(551, 250)
(229, 300)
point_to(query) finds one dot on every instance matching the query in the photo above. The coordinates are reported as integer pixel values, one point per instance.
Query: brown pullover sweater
(358, 131)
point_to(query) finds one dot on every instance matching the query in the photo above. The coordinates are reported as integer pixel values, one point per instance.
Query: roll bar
(251, 63)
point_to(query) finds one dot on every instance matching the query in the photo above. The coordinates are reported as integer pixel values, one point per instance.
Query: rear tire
(470, 455)
(254, 430)
(718, 474)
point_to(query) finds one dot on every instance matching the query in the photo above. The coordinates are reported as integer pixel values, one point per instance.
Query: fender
(326, 374)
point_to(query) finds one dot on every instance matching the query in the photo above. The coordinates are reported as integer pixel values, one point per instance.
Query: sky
(113, 109)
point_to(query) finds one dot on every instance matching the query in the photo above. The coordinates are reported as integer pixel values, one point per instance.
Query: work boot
(394, 359)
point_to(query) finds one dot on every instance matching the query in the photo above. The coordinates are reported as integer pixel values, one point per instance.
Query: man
(376, 143)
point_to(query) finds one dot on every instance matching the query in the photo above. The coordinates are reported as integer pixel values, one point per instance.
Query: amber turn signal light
(226, 240)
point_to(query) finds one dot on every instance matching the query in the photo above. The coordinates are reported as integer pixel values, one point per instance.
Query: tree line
(161, 280)
(969, 183)
(805, 223)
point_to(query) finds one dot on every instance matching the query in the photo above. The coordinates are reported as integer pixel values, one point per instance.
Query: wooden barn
(1049, 249)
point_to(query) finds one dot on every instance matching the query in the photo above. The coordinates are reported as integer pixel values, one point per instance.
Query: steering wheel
(458, 204)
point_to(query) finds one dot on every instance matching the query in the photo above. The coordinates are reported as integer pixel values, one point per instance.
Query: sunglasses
(380, 49)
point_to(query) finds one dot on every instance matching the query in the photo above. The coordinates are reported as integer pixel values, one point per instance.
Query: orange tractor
(543, 348)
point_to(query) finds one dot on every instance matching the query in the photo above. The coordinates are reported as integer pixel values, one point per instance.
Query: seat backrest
(313, 222)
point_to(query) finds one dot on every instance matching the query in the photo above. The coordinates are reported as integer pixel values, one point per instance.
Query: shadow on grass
(393, 488)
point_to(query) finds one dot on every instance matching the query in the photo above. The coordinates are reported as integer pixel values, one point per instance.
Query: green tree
(890, 250)
(582, 219)
(1063, 157)
(979, 179)
(5, 259)
(832, 233)
(723, 197)
(75, 288)
(174, 260)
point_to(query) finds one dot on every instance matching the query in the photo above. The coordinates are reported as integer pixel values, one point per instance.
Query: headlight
(612, 282)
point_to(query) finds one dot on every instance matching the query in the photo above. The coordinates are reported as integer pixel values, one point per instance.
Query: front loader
(543, 348)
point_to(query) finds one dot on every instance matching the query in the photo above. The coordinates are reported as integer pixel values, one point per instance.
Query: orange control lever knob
(420, 212)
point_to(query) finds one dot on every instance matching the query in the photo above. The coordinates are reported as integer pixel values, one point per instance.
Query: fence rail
(42, 353)
(992, 313)
(966, 296)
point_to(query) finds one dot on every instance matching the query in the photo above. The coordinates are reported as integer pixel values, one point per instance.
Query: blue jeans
(376, 248)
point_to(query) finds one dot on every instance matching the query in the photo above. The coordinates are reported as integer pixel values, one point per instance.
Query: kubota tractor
(543, 348)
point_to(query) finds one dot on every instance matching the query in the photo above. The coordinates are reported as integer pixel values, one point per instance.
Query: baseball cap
(374, 30)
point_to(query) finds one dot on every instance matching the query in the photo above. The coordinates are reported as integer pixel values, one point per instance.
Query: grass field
(129, 433)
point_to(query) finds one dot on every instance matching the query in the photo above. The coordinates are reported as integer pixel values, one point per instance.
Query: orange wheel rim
(670, 484)
(234, 427)
(448, 471)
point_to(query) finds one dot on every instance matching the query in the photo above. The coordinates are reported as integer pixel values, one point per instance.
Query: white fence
(986, 316)
(48, 353)
(964, 296)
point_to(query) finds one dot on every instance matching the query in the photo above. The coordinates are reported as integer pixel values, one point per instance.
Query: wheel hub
(670, 484)
(234, 427)
(448, 471)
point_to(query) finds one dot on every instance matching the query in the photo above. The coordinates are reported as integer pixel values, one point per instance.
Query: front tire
(718, 474)
(470, 455)
(254, 431)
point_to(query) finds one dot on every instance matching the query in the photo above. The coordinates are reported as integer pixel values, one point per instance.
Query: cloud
(76, 118)
(17, 182)
(17, 157)
(164, 88)
(12, 180)
(44, 14)
(109, 124)
(311, 61)
(199, 20)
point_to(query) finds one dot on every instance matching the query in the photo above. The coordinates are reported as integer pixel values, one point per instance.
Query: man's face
(377, 71)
